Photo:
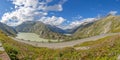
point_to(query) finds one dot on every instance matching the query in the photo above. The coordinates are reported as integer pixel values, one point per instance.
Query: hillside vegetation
(21, 51)
(109, 24)
(103, 49)
(107, 48)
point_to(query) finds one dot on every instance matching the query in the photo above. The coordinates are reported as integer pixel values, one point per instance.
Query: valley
(33, 37)
(59, 30)
(60, 44)
(37, 41)
(99, 48)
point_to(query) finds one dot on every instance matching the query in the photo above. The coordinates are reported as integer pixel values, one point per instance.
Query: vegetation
(104, 49)
(107, 48)
(109, 24)
(21, 51)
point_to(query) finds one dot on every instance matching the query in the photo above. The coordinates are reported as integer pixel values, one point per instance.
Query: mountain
(45, 31)
(108, 24)
(56, 29)
(7, 29)
(73, 30)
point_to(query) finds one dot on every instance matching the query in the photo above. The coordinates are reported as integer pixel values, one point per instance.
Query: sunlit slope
(22, 51)
(107, 48)
(109, 24)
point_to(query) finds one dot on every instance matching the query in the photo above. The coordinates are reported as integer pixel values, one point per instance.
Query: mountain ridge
(108, 24)
(45, 31)
(7, 29)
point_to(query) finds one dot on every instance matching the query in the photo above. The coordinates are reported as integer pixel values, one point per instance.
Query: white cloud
(52, 20)
(48, 1)
(57, 7)
(63, 1)
(78, 17)
(78, 23)
(33, 10)
(113, 12)
(11, 8)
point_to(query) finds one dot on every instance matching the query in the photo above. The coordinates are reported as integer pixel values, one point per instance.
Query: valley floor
(64, 44)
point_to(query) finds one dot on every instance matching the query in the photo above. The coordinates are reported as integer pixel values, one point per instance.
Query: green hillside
(109, 24)
(22, 51)
(103, 49)
(107, 48)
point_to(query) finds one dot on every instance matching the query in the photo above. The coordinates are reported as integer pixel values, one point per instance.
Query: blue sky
(89, 8)
(67, 10)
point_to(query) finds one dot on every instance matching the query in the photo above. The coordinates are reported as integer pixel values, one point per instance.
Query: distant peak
(110, 15)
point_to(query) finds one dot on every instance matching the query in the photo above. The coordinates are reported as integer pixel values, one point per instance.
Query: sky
(65, 14)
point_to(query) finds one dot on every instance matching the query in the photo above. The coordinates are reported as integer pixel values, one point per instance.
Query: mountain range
(108, 24)
(43, 30)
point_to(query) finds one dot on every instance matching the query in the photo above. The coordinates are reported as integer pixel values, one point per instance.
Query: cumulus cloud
(33, 10)
(53, 20)
(113, 12)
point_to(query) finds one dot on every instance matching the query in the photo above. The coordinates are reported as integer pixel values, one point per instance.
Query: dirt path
(3, 55)
(82, 48)
(118, 57)
(64, 44)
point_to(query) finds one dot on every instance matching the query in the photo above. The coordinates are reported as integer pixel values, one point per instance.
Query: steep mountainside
(45, 31)
(56, 29)
(7, 29)
(109, 24)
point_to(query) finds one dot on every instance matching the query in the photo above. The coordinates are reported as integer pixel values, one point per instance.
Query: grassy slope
(110, 24)
(107, 48)
(103, 49)
(21, 51)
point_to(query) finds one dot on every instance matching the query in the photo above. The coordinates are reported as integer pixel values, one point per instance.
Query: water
(32, 37)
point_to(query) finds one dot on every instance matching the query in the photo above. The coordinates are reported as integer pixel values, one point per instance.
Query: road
(64, 44)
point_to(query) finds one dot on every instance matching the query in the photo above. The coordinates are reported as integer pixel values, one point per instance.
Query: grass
(91, 43)
(21, 51)
(107, 48)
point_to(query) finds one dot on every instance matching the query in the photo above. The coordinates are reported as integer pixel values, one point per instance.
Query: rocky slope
(7, 29)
